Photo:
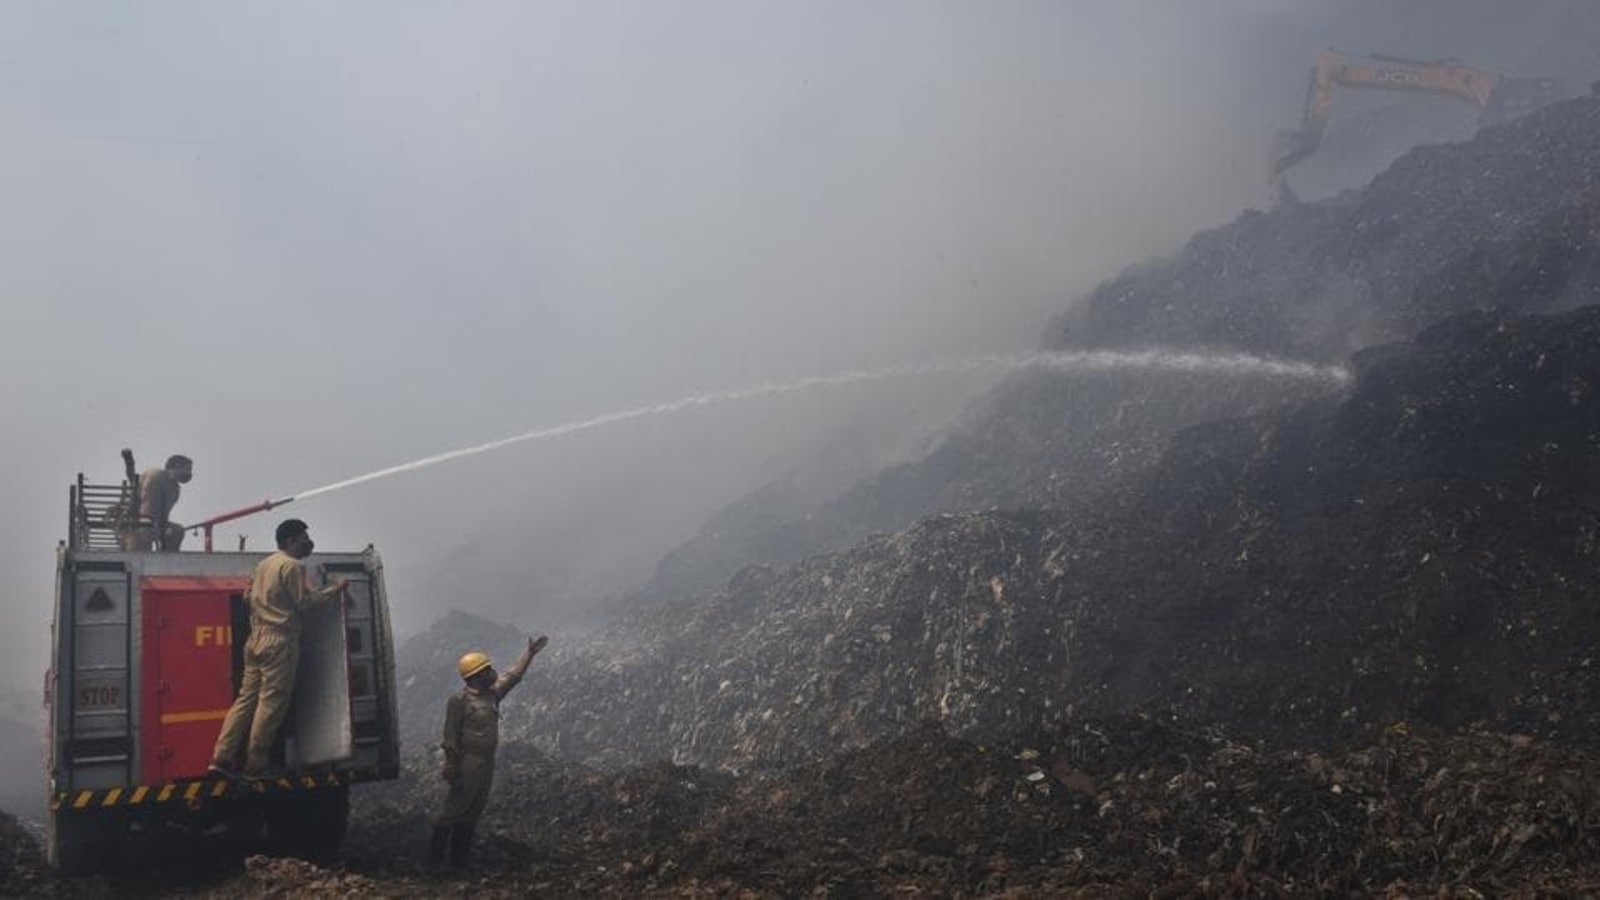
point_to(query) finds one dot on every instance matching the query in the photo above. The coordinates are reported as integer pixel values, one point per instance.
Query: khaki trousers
(271, 657)
(465, 801)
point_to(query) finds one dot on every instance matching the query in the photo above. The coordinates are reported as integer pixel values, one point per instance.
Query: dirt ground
(1124, 807)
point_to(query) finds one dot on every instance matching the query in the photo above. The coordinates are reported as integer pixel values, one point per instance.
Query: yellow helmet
(472, 663)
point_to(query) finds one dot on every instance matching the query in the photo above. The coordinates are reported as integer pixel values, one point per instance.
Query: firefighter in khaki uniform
(278, 593)
(471, 735)
(158, 494)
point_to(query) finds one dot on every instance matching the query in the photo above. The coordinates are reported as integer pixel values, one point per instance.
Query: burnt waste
(1506, 221)
(1124, 636)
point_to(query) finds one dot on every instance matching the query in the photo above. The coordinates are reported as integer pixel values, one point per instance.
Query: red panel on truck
(188, 671)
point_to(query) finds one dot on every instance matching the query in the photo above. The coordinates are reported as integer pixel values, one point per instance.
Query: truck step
(201, 790)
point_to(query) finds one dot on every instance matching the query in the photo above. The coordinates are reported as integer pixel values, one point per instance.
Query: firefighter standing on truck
(471, 735)
(278, 593)
(158, 494)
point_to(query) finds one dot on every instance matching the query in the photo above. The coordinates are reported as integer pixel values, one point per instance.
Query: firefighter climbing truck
(146, 657)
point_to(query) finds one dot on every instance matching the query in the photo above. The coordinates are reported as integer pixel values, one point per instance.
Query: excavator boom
(1496, 97)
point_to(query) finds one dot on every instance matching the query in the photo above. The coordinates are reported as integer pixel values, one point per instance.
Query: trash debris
(1118, 636)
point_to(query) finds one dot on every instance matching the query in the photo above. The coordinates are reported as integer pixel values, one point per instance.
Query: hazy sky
(299, 241)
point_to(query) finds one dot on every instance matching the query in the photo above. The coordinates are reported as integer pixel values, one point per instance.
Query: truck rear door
(188, 679)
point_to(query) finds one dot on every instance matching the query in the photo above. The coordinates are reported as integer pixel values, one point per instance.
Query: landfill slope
(1426, 549)
(1331, 641)
(1127, 636)
(1509, 220)
(1422, 547)
(1205, 528)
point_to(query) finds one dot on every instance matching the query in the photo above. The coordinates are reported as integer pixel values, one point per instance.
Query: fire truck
(146, 658)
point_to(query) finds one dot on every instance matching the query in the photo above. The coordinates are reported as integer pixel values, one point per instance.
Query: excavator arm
(1495, 97)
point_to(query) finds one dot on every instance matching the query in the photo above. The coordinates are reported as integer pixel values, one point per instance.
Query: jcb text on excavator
(1497, 98)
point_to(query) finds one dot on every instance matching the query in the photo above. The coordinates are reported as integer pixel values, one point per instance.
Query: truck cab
(146, 658)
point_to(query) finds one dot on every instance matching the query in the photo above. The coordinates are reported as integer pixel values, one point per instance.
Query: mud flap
(322, 730)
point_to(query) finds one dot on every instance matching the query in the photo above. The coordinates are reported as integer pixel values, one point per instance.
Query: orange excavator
(1497, 98)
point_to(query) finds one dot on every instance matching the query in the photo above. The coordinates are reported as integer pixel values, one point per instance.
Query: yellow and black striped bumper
(194, 793)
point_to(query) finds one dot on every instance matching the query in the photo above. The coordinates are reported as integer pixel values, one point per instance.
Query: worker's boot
(461, 846)
(438, 845)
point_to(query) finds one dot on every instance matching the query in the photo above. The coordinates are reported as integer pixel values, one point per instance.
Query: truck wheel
(331, 821)
(311, 825)
(79, 844)
(242, 836)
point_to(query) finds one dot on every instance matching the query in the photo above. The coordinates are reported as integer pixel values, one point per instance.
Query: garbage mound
(1505, 221)
(1421, 549)
(269, 877)
(1146, 808)
(1265, 642)
(22, 866)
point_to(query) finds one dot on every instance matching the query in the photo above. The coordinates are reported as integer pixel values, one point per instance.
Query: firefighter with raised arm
(471, 735)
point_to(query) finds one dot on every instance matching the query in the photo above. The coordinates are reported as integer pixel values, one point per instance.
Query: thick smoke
(299, 242)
